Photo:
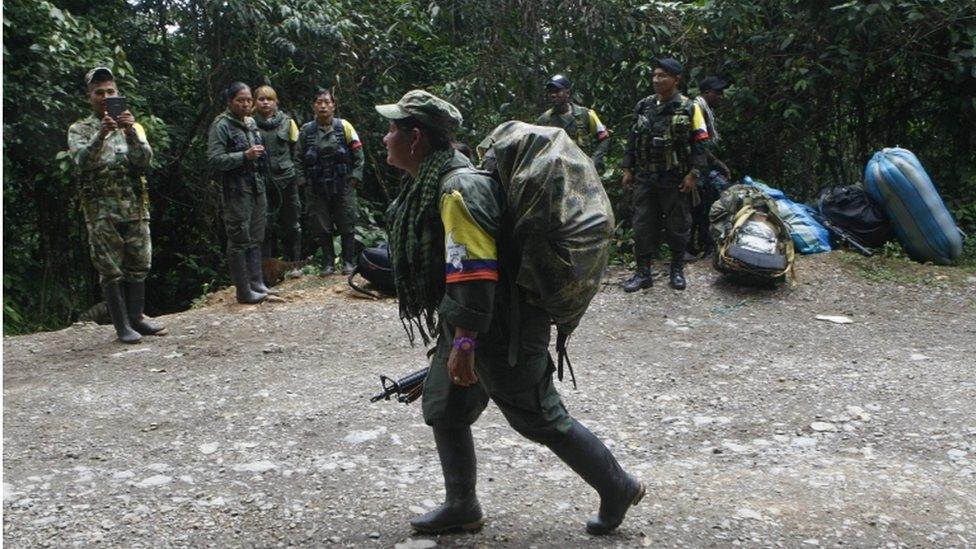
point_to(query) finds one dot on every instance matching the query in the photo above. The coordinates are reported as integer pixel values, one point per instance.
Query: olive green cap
(425, 107)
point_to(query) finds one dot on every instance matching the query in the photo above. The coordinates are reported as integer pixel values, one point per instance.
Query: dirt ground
(751, 421)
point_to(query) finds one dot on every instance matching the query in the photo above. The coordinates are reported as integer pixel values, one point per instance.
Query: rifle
(841, 234)
(406, 389)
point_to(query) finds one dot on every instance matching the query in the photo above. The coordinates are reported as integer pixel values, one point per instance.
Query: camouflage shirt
(111, 171)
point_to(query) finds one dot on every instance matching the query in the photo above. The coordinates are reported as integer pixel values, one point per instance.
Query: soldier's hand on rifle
(109, 125)
(254, 152)
(628, 180)
(688, 183)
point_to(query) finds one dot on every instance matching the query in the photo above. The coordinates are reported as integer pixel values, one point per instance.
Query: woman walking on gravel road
(453, 276)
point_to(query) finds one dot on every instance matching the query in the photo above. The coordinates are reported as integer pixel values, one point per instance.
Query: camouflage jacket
(110, 172)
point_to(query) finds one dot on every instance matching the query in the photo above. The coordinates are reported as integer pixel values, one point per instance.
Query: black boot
(460, 510)
(348, 253)
(328, 255)
(593, 462)
(642, 278)
(255, 273)
(678, 275)
(135, 304)
(117, 310)
(293, 246)
(237, 262)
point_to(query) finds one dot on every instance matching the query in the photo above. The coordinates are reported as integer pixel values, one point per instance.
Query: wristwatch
(465, 344)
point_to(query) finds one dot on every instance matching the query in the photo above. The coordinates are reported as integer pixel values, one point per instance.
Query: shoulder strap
(307, 133)
(338, 126)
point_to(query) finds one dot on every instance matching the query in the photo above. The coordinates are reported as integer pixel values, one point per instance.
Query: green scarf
(417, 248)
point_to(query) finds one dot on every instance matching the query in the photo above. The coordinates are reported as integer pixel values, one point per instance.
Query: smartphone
(115, 106)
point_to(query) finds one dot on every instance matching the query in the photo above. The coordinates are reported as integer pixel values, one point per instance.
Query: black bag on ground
(849, 208)
(375, 266)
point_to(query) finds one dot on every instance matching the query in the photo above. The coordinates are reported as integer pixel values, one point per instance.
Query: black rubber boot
(593, 462)
(239, 275)
(328, 255)
(348, 253)
(293, 246)
(115, 303)
(642, 278)
(135, 304)
(678, 275)
(255, 273)
(460, 510)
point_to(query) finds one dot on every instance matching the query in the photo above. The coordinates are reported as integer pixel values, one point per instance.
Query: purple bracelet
(465, 344)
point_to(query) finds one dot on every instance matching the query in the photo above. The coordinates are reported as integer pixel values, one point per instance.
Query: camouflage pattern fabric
(111, 177)
(559, 216)
(120, 250)
(737, 205)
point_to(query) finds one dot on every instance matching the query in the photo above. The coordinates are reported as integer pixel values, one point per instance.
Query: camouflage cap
(425, 107)
(98, 74)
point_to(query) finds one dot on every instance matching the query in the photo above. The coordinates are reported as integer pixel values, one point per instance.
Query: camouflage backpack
(559, 217)
(735, 217)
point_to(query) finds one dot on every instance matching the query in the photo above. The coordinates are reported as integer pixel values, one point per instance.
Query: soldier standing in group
(331, 162)
(664, 156)
(110, 156)
(452, 263)
(582, 124)
(710, 93)
(280, 136)
(237, 158)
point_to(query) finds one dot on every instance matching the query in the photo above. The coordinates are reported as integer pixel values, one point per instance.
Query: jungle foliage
(818, 86)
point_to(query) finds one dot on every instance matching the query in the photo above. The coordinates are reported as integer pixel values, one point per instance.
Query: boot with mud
(115, 302)
(593, 462)
(239, 275)
(460, 511)
(135, 303)
(642, 278)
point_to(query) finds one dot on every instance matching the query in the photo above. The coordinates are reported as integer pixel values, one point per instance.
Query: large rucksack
(559, 217)
(754, 243)
(849, 208)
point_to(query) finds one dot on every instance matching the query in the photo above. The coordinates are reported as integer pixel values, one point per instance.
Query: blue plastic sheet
(809, 236)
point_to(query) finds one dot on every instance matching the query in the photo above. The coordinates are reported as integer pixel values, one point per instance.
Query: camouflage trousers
(245, 218)
(120, 249)
(524, 393)
(659, 206)
(324, 213)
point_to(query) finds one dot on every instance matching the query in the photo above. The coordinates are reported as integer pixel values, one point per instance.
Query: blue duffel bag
(895, 179)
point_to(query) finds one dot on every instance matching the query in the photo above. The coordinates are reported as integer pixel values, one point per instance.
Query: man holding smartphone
(110, 156)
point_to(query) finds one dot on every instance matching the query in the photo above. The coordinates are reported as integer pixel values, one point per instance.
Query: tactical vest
(327, 166)
(662, 134)
(277, 142)
(580, 132)
(250, 170)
